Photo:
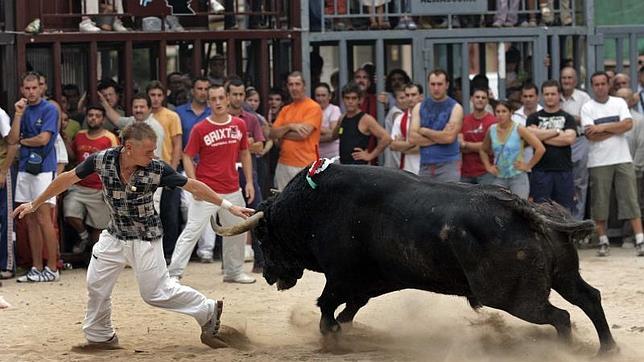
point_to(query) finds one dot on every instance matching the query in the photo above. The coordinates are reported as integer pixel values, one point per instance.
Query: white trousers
(198, 219)
(109, 256)
(207, 240)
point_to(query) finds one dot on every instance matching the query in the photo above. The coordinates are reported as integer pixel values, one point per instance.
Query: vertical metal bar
(297, 14)
(540, 49)
(163, 63)
(57, 55)
(418, 66)
(633, 55)
(380, 77)
(591, 55)
(231, 56)
(128, 81)
(501, 69)
(465, 76)
(264, 68)
(573, 12)
(197, 51)
(297, 55)
(619, 56)
(92, 62)
(344, 67)
(555, 56)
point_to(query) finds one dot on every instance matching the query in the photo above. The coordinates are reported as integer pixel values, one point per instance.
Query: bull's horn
(275, 192)
(236, 229)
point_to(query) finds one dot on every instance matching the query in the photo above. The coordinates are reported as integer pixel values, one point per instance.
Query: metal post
(305, 44)
(344, 67)
(501, 71)
(619, 56)
(465, 76)
(128, 78)
(633, 55)
(92, 61)
(591, 59)
(57, 60)
(380, 78)
(555, 57)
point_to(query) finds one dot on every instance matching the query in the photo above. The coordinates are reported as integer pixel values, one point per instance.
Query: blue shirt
(435, 115)
(42, 117)
(189, 119)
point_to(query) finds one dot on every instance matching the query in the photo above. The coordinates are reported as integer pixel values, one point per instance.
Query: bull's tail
(559, 219)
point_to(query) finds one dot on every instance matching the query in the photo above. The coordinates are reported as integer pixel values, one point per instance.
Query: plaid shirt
(131, 205)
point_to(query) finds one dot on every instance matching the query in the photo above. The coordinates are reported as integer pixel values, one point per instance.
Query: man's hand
(101, 98)
(360, 154)
(242, 212)
(594, 129)
(301, 129)
(22, 210)
(492, 170)
(21, 105)
(249, 192)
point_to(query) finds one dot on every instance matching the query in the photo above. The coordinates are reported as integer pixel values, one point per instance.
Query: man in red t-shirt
(475, 126)
(219, 141)
(83, 204)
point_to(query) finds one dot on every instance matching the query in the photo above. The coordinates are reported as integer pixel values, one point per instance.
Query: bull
(373, 231)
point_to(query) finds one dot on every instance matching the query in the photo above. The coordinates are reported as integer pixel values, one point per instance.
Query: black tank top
(350, 138)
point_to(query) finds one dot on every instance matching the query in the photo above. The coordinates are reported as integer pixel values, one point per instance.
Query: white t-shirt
(613, 150)
(331, 149)
(5, 123)
(412, 161)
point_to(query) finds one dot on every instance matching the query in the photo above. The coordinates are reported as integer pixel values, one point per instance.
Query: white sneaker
(88, 26)
(603, 250)
(639, 248)
(31, 274)
(211, 328)
(118, 26)
(241, 279)
(80, 247)
(172, 23)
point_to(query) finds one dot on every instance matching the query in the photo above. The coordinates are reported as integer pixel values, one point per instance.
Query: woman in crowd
(506, 141)
(329, 148)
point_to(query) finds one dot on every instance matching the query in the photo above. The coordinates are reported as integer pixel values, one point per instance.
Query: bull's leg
(544, 313)
(328, 303)
(349, 312)
(575, 290)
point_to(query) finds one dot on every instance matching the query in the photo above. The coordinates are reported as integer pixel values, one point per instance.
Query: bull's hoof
(608, 350)
(329, 327)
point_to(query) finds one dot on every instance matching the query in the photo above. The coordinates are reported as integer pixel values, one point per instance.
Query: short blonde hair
(138, 131)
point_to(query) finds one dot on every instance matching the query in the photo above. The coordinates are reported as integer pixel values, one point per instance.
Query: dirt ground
(262, 324)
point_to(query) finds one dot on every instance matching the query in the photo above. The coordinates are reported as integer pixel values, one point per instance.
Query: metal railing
(332, 12)
(268, 14)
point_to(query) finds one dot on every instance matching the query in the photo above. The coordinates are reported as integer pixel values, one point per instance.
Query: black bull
(373, 231)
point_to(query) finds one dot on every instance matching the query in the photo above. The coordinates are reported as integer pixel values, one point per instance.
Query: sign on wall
(443, 7)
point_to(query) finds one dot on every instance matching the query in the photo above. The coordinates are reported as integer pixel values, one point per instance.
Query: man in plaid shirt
(130, 175)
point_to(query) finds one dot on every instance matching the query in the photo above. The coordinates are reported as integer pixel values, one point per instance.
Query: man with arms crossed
(605, 120)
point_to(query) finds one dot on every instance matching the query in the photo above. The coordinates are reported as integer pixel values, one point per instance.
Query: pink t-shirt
(330, 149)
(218, 147)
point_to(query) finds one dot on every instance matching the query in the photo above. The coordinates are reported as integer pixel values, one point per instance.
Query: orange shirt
(300, 153)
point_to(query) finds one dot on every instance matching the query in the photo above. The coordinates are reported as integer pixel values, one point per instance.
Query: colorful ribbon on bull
(317, 167)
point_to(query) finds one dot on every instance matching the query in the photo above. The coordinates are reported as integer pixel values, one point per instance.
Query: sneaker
(206, 260)
(33, 273)
(547, 15)
(211, 328)
(411, 25)
(88, 26)
(172, 23)
(402, 24)
(80, 247)
(118, 26)
(639, 248)
(35, 27)
(497, 24)
(46, 275)
(603, 250)
(241, 279)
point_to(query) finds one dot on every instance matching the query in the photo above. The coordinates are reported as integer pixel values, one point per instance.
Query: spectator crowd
(554, 143)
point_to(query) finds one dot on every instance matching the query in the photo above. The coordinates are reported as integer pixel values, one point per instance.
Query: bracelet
(226, 204)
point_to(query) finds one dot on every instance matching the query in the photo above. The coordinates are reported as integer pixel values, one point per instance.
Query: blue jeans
(558, 186)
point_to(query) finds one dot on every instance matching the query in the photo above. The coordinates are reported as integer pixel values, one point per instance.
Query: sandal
(385, 25)
(373, 24)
